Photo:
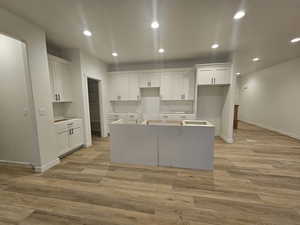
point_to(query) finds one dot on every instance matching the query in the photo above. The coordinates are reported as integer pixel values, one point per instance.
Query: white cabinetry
(124, 86)
(213, 75)
(68, 135)
(149, 79)
(177, 85)
(118, 87)
(60, 79)
(133, 87)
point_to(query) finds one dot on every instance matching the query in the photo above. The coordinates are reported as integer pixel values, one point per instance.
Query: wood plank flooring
(256, 181)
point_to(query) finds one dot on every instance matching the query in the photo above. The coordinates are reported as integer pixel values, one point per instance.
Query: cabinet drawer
(68, 124)
(61, 127)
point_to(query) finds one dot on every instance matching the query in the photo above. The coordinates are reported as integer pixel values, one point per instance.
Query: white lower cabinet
(75, 138)
(68, 135)
(63, 142)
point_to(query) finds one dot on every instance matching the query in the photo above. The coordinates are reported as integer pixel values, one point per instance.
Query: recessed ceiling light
(238, 73)
(87, 33)
(161, 50)
(256, 59)
(295, 40)
(155, 25)
(114, 54)
(239, 15)
(215, 46)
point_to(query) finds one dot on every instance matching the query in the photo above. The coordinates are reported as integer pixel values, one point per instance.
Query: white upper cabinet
(149, 79)
(118, 87)
(188, 82)
(60, 79)
(124, 87)
(214, 75)
(133, 87)
(177, 85)
(222, 75)
(205, 76)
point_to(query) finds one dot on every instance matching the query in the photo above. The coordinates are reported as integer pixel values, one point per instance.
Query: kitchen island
(182, 144)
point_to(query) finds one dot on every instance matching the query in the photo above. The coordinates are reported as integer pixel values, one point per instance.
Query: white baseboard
(272, 129)
(23, 164)
(45, 167)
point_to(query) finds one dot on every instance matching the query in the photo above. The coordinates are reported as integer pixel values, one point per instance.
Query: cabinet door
(166, 86)
(171, 86)
(63, 142)
(63, 81)
(188, 80)
(222, 76)
(205, 76)
(52, 78)
(178, 87)
(149, 80)
(133, 87)
(119, 87)
(155, 79)
(76, 138)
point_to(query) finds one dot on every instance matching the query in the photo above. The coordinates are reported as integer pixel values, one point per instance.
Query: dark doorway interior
(94, 102)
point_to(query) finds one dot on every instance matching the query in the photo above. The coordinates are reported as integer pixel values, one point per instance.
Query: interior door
(17, 132)
(204, 76)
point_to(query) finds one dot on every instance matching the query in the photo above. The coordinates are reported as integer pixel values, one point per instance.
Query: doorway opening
(95, 107)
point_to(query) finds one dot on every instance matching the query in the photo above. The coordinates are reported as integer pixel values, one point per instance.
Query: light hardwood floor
(256, 181)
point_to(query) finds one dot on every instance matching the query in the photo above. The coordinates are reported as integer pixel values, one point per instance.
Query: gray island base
(182, 144)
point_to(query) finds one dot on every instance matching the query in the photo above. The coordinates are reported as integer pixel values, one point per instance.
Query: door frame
(101, 110)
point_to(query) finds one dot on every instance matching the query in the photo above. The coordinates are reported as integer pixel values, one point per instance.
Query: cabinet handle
(58, 97)
(149, 83)
(212, 80)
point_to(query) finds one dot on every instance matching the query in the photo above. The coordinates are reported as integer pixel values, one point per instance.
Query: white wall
(270, 98)
(35, 40)
(84, 66)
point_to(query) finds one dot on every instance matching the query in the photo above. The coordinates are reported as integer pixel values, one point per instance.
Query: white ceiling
(187, 28)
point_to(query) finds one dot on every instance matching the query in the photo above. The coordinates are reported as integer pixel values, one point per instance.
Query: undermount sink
(196, 123)
(164, 122)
